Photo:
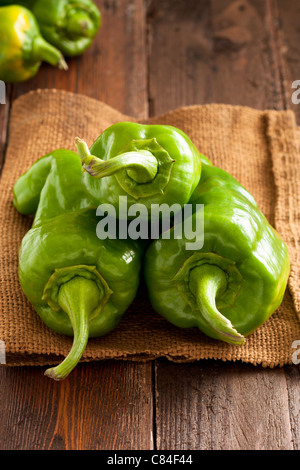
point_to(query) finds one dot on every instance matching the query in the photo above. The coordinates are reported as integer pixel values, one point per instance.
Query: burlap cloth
(259, 148)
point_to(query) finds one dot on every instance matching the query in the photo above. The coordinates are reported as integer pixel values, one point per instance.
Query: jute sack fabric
(259, 148)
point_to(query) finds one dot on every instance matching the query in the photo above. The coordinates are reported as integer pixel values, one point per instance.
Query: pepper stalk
(80, 292)
(141, 166)
(142, 169)
(43, 51)
(206, 283)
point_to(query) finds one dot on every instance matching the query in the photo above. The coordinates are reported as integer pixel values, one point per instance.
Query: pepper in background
(69, 25)
(149, 164)
(79, 285)
(230, 286)
(22, 48)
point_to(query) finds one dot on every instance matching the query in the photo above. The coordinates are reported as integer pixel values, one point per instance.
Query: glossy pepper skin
(79, 284)
(69, 25)
(22, 48)
(236, 280)
(147, 164)
(55, 185)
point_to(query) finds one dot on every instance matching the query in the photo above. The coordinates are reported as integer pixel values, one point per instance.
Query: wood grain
(204, 51)
(99, 406)
(292, 375)
(287, 16)
(212, 406)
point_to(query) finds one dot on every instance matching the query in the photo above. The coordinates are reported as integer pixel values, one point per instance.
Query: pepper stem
(44, 51)
(141, 166)
(206, 283)
(79, 298)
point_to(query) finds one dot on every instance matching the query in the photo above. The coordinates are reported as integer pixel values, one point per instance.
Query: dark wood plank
(115, 69)
(293, 389)
(287, 17)
(212, 51)
(212, 406)
(225, 51)
(103, 405)
(99, 406)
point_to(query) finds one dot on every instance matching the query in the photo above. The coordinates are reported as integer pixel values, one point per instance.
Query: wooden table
(148, 58)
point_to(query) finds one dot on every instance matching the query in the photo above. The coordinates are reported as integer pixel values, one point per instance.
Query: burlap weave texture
(259, 148)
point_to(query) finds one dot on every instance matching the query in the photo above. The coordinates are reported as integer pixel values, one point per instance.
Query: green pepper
(133, 154)
(235, 279)
(69, 25)
(79, 284)
(55, 185)
(148, 164)
(22, 48)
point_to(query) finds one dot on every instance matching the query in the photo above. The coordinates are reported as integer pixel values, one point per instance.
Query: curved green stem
(206, 282)
(141, 166)
(79, 298)
(43, 51)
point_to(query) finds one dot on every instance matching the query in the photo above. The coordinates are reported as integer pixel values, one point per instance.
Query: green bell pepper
(22, 48)
(148, 164)
(79, 285)
(231, 284)
(69, 25)
(53, 186)
(145, 163)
